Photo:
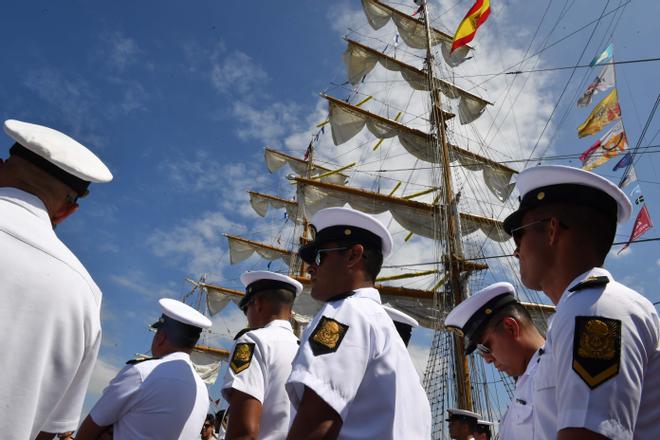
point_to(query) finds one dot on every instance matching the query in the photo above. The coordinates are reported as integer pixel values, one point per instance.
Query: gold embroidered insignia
(327, 336)
(596, 349)
(242, 357)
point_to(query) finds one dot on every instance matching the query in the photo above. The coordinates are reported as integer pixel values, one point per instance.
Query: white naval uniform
(275, 346)
(518, 422)
(155, 399)
(49, 322)
(626, 405)
(370, 380)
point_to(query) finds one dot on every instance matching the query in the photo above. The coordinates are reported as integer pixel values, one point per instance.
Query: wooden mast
(452, 242)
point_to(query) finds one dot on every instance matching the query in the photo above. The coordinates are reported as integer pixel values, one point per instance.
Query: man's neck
(557, 280)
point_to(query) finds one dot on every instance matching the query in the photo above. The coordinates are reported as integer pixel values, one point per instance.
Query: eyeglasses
(518, 232)
(318, 257)
(483, 349)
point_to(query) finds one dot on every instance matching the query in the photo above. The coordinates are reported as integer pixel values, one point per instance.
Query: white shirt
(369, 379)
(517, 422)
(625, 405)
(155, 399)
(275, 346)
(49, 322)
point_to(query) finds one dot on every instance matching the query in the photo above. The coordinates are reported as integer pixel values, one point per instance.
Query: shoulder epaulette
(590, 282)
(137, 361)
(241, 333)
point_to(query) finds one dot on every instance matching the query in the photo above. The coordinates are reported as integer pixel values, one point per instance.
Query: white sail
(347, 120)
(240, 249)
(261, 202)
(413, 31)
(419, 218)
(361, 59)
(276, 160)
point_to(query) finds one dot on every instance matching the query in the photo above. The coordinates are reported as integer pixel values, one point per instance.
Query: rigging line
(641, 136)
(561, 95)
(613, 63)
(559, 41)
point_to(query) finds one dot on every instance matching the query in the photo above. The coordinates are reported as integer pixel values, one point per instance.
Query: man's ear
(511, 327)
(553, 230)
(355, 254)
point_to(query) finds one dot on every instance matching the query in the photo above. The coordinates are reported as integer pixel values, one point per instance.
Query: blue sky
(179, 100)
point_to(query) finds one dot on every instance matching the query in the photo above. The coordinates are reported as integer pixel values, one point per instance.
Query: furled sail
(261, 202)
(347, 120)
(417, 217)
(207, 362)
(276, 160)
(413, 31)
(240, 249)
(361, 59)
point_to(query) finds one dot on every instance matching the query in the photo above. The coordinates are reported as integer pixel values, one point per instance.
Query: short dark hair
(373, 261)
(210, 418)
(514, 310)
(484, 429)
(278, 296)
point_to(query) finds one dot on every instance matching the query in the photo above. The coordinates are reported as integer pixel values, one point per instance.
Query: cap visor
(513, 220)
(156, 325)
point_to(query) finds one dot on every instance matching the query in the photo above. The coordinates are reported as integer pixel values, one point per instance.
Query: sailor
(50, 304)
(158, 398)
(404, 323)
(260, 361)
(352, 377)
(484, 430)
(501, 330)
(462, 424)
(600, 373)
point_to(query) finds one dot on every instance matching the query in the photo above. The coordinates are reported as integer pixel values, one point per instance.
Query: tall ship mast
(444, 213)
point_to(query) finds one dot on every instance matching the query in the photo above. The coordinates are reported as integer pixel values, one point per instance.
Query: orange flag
(468, 27)
(606, 111)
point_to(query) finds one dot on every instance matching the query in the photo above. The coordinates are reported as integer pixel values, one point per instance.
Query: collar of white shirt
(594, 272)
(178, 355)
(280, 323)
(28, 201)
(367, 292)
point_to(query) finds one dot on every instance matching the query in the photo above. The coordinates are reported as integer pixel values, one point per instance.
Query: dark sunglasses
(319, 255)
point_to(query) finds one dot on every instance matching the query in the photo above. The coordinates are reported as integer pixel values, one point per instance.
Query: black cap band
(261, 285)
(184, 335)
(563, 193)
(78, 185)
(340, 234)
(481, 317)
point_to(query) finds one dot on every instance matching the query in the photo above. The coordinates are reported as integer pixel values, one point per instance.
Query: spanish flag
(468, 27)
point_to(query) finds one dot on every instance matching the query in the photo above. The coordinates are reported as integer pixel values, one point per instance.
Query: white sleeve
(246, 369)
(65, 416)
(333, 372)
(117, 398)
(599, 379)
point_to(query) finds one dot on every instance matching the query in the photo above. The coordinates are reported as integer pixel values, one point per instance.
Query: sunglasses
(318, 256)
(483, 349)
(518, 232)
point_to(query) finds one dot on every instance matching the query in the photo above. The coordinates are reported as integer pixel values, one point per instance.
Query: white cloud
(196, 243)
(658, 262)
(266, 123)
(136, 281)
(237, 73)
(103, 373)
(120, 50)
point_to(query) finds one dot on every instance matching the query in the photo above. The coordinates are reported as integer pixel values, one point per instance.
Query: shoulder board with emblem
(596, 349)
(590, 282)
(241, 333)
(137, 361)
(242, 356)
(327, 336)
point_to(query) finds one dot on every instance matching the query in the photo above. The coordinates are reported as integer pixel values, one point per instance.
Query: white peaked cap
(559, 183)
(59, 149)
(468, 318)
(250, 277)
(463, 413)
(330, 217)
(183, 313)
(398, 316)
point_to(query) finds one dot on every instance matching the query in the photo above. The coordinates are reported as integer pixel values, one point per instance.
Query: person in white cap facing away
(352, 377)
(404, 323)
(462, 423)
(260, 361)
(600, 374)
(48, 298)
(158, 398)
(484, 430)
(500, 329)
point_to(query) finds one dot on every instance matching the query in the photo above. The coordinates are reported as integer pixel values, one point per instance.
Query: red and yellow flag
(475, 17)
(606, 111)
